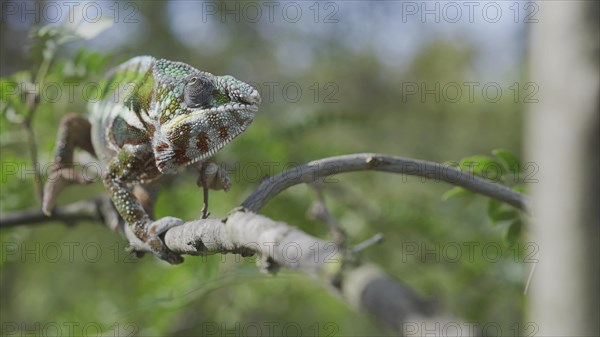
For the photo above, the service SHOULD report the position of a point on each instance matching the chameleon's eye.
(198, 92)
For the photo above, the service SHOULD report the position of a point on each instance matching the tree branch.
(365, 286)
(78, 211)
(278, 244)
(321, 168)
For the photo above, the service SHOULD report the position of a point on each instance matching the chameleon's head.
(198, 113)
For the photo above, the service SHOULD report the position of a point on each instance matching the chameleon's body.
(154, 117)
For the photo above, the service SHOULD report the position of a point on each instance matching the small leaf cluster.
(507, 170)
(20, 92)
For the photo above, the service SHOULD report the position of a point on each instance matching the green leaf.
(84, 64)
(8, 88)
(455, 191)
(493, 207)
(94, 62)
(44, 42)
(12, 95)
(498, 212)
(483, 166)
(451, 163)
(510, 161)
(520, 188)
(514, 231)
(504, 215)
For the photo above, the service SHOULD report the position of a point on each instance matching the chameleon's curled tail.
(74, 131)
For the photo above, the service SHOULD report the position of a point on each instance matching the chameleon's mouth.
(229, 114)
(216, 127)
(198, 135)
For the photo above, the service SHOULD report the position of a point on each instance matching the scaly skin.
(154, 117)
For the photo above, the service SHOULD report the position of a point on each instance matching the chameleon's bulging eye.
(198, 92)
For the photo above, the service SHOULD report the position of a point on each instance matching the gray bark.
(562, 139)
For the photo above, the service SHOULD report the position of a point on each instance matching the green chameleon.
(154, 117)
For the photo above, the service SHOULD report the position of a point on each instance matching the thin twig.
(321, 168)
(33, 100)
(375, 239)
(319, 211)
(32, 103)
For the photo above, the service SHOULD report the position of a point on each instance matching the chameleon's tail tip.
(47, 203)
(56, 183)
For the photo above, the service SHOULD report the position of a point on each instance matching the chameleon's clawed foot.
(154, 242)
(214, 177)
(204, 213)
(58, 179)
(136, 249)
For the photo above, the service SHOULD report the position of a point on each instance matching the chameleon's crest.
(198, 113)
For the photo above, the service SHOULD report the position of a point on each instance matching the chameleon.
(153, 117)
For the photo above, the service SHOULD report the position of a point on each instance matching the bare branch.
(321, 168)
(247, 233)
(375, 239)
(79, 211)
(319, 211)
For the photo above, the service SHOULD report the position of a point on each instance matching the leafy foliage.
(45, 42)
(505, 165)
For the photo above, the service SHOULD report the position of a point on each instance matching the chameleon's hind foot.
(58, 179)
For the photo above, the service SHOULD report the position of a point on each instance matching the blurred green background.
(335, 79)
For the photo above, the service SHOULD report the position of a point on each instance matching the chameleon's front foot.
(149, 239)
(214, 177)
